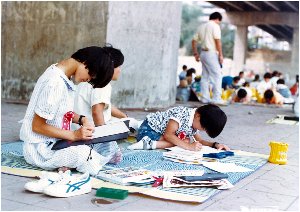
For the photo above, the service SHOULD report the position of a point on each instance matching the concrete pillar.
(240, 48)
(295, 52)
(37, 34)
(148, 34)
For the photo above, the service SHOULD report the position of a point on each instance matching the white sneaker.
(68, 186)
(46, 179)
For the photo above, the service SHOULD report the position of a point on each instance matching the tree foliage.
(190, 22)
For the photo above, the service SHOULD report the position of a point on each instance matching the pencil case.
(219, 155)
(112, 193)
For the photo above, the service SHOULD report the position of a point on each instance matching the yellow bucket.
(278, 153)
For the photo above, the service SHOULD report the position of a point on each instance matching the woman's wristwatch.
(79, 120)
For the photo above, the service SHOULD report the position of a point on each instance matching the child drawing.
(161, 130)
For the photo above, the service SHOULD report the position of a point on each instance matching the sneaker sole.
(71, 194)
(32, 190)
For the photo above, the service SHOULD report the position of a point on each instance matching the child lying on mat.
(161, 130)
(273, 97)
(243, 95)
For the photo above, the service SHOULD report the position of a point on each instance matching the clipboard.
(105, 133)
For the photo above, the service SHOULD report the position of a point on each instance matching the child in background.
(189, 75)
(161, 130)
(273, 97)
(52, 98)
(283, 89)
(265, 84)
(235, 83)
(275, 77)
(182, 77)
(243, 95)
(242, 79)
(94, 103)
(255, 82)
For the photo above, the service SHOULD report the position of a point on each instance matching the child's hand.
(83, 133)
(222, 147)
(196, 146)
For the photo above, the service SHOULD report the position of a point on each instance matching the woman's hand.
(83, 133)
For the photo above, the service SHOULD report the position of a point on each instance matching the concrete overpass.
(279, 18)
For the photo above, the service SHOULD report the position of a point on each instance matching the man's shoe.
(204, 101)
(68, 185)
(46, 179)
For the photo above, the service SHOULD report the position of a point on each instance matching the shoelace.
(90, 155)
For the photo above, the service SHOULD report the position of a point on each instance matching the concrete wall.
(38, 34)
(148, 34)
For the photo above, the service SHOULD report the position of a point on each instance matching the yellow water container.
(278, 153)
(253, 92)
(259, 97)
(211, 93)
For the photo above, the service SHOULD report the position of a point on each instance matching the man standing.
(209, 35)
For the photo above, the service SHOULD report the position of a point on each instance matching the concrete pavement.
(273, 187)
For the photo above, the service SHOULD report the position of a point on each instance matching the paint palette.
(124, 176)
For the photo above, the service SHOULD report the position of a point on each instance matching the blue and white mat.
(13, 162)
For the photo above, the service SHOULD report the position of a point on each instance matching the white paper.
(204, 150)
(110, 129)
(225, 167)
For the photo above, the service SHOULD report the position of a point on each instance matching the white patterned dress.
(52, 98)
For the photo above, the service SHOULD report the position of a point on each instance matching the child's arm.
(170, 136)
(247, 99)
(117, 113)
(40, 126)
(234, 98)
(207, 143)
(97, 113)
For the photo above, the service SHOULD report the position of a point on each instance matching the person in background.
(243, 95)
(283, 89)
(264, 84)
(189, 75)
(182, 78)
(242, 79)
(255, 82)
(273, 97)
(275, 77)
(209, 35)
(226, 82)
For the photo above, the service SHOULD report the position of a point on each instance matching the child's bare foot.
(63, 169)
(116, 158)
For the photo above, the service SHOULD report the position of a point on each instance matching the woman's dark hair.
(268, 94)
(242, 93)
(99, 62)
(212, 119)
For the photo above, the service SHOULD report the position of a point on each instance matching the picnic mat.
(280, 120)
(13, 162)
